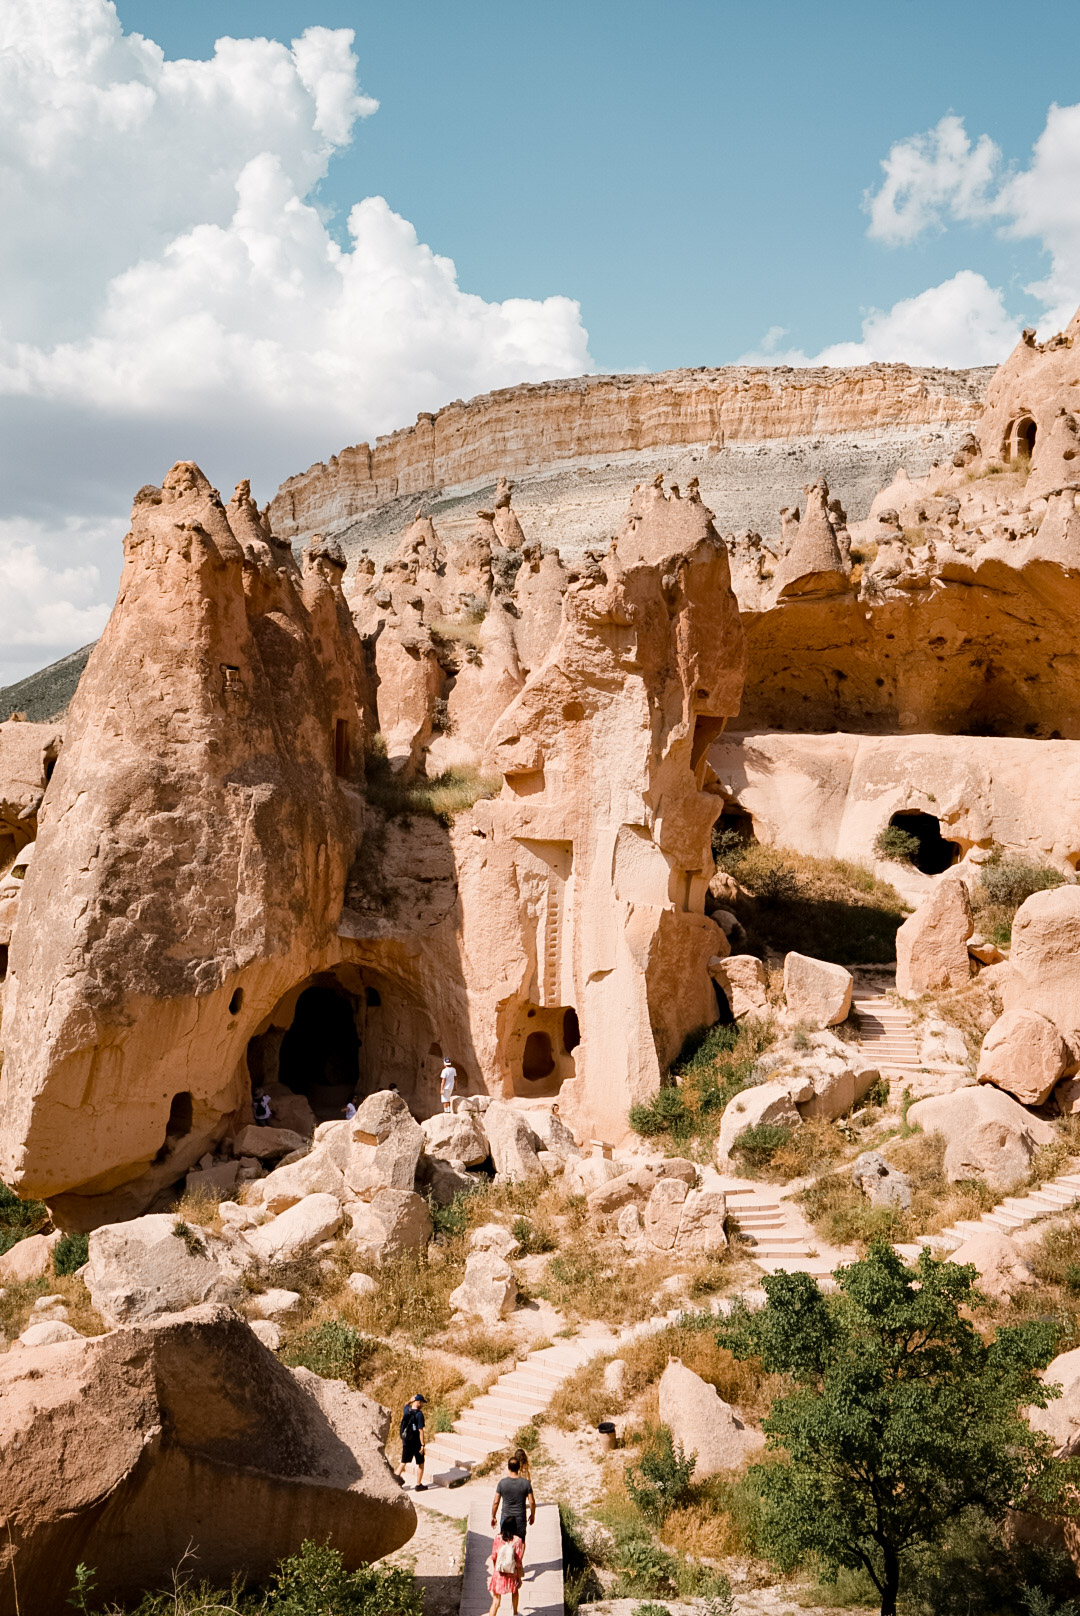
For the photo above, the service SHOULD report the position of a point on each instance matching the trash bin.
(606, 1430)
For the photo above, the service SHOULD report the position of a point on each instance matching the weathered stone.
(134, 1449)
(816, 990)
(837, 1086)
(393, 1221)
(1001, 1268)
(488, 1290)
(1060, 1419)
(766, 1103)
(663, 1213)
(317, 1173)
(639, 1183)
(443, 1180)
(880, 1182)
(267, 1143)
(1024, 1054)
(630, 1225)
(553, 1134)
(513, 1142)
(942, 1044)
(588, 1174)
(28, 1259)
(615, 1377)
(931, 945)
(385, 1146)
(988, 1134)
(1044, 962)
(271, 1335)
(742, 977)
(361, 1285)
(48, 1333)
(456, 1137)
(1067, 1097)
(494, 1237)
(701, 1223)
(269, 1304)
(297, 1230)
(151, 1265)
(701, 1422)
(216, 1180)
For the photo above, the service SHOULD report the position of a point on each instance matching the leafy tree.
(899, 1418)
(661, 1479)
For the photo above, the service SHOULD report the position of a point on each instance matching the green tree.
(899, 1416)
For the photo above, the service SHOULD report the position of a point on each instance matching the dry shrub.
(412, 1295)
(813, 1144)
(17, 1301)
(201, 1207)
(397, 1375)
(487, 1345)
(592, 1278)
(973, 1008)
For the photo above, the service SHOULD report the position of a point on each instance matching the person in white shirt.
(446, 1085)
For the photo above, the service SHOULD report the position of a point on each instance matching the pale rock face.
(880, 1182)
(630, 1224)
(218, 1179)
(931, 945)
(1024, 1054)
(742, 977)
(615, 1377)
(488, 1291)
(553, 1134)
(271, 1335)
(1067, 1097)
(49, 1333)
(582, 1177)
(493, 1237)
(393, 1221)
(663, 1213)
(267, 1143)
(701, 1422)
(942, 1044)
(1045, 962)
(28, 1259)
(1001, 1268)
(639, 1183)
(1060, 1420)
(269, 1304)
(361, 1285)
(112, 1422)
(297, 1230)
(455, 1137)
(766, 1103)
(385, 1146)
(142, 1268)
(512, 1141)
(815, 564)
(317, 1173)
(701, 1224)
(816, 990)
(988, 1134)
(837, 1086)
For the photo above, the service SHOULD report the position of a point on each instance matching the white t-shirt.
(449, 1078)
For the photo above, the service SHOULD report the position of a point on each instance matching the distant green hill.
(46, 694)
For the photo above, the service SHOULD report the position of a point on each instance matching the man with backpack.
(411, 1431)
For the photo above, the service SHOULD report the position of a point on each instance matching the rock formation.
(126, 1451)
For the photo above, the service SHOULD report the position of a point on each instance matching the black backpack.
(409, 1422)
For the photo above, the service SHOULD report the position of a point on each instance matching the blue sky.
(250, 232)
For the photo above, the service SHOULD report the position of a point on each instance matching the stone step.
(468, 1446)
(1069, 1181)
(477, 1421)
(1005, 1221)
(817, 1267)
(448, 1451)
(507, 1408)
(779, 1242)
(531, 1380)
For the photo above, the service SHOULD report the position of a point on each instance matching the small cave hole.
(1024, 438)
(3, 960)
(236, 1001)
(180, 1123)
(571, 1030)
(934, 853)
(373, 998)
(538, 1060)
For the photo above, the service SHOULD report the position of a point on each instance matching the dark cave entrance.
(731, 832)
(934, 853)
(320, 1052)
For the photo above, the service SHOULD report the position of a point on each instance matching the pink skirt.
(498, 1584)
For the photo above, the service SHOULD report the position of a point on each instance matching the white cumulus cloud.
(170, 289)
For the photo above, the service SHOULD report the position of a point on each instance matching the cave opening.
(1023, 439)
(934, 854)
(733, 831)
(320, 1052)
(538, 1060)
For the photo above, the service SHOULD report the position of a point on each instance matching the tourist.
(446, 1087)
(350, 1111)
(511, 1493)
(413, 1441)
(261, 1109)
(523, 1464)
(505, 1567)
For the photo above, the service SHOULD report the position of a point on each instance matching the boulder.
(513, 1143)
(663, 1213)
(554, 1166)
(150, 1265)
(385, 1142)
(1067, 1097)
(392, 1222)
(615, 1377)
(630, 1224)
(1024, 1054)
(271, 1335)
(584, 1176)
(987, 1133)
(1060, 1420)
(455, 1137)
(880, 1182)
(701, 1422)
(816, 990)
(28, 1259)
(182, 1436)
(553, 1134)
(442, 1180)
(837, 1086)
(47, 1333)
(268, 1304)
(361, 1285)
(494, 1237)
(742, 977)
(267, 1143)
(986, 953)
(1001, 1268)
(1044, 962)
(701, 1223)
(215, 1180)
(317, 1173)
(941, 1044)
(639, 1183)
(488, 1290)
(766, 1103)
(931, 945)
(296, 1231)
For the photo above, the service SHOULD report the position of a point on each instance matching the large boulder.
(767, 1103)
(701, 1422)
(385, 1142)
(639, 1183)
(663, 1213)
(1044, 962)
(267, 1143)
(182, 1436)
(931, 945)
(1060, 1420)
(488, 1290)
(1024, 1054)
(317, 1173)
(297, 1231)
(987, 1133)
(456, 1137)
(880, 1182)
(494, 1237)
(998, 1260)
(742, 977)
(153, 1264)
(513, 1142)
(553, 1134)
(701, 1224)
(590, 1172)
(837, 1085)
(392, 1222)
(816, 990)
(29, 1259)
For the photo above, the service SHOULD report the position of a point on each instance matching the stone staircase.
(886, 1035)
(779, 1236)
(1013, 1213)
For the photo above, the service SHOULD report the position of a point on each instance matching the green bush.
(647, 1608)
(645, 1568)
(661, 1478)
(713, 1066)
(758, 1145)
(315, 1583)
(1010, 881)
(334, 1350)
(666, 1112)
(533, 1238)
(19, 1218)
(70, 1252)
(581, 1585)
(896, 844)
(449, 1221)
